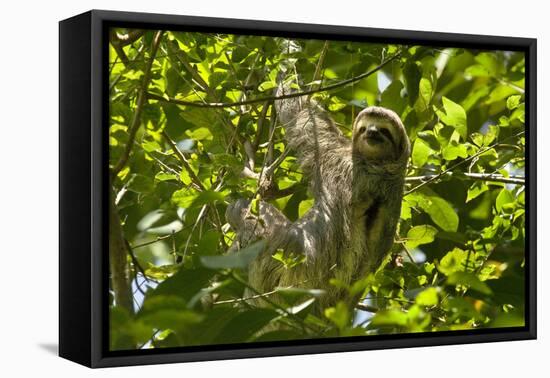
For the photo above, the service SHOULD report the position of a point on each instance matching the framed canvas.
(235, 188)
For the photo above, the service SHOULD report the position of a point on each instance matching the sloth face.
(378, 134)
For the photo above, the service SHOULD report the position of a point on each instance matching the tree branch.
(121, 54)
(118, 264)
(196, 181)
(318, 69)
(156, 240)
(274, 304)
(252, 297)
(118, 41)
(141, 100)
(211, 93)
(367, 308)
(327, 88)
(261, 120)
(451, 168)
(125, 39)
(518, 180)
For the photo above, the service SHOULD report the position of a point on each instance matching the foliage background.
(458, 260)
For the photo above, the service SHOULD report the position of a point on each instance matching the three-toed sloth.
(357, 187)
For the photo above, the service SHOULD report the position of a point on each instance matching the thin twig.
(211, 93)
(118, 41)
(274, 304)
(135, 261)
(366, 307)
(121, 54)
(252, 297)
(318, 69)
(125, 39)
(518, 180)
(446, 171)
(409, 254)
(118, 264)
(194, 178)
(327, 88)
(141, 100)
(145, 244)
(261, 120)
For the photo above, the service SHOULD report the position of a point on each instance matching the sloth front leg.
(269, 224)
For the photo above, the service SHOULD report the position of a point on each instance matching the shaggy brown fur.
(357, 186)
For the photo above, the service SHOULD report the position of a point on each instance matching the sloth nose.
(373, 132)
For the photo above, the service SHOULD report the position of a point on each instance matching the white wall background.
(28, 186)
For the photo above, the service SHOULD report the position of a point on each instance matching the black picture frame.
(83, 196)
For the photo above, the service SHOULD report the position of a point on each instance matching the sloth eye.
(387, 134)
(362, 129)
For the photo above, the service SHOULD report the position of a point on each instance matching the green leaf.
(151, 146)
(453, 261)
(216, 78)
(300, 307)
(226, 160)
(304, 207)
(163, 176)
(429, 137)
(499, 93)
(186, 199)
(290, 293)
(150, 219)
(167, 312)
(405, 211)
(198, 117)
(141, 184)
(476, 190)
(454, 150)
(412, 74)
(239, 259)
(487, 138)
(519, 113)
(200, 134)
(267, 85)
(185, 284)
(185, 177)
(279, 335)
(511, 319)
(463, 307)
(504, 198)
(442, 213)
(425, 94)
(476, 70)
(490, 62)
(418, 235)
(389, 317)
(469, 280)
(125, 331)
(428, 297)
(239, 54)
(160, 272)
(391, 97)
(454, 115)
(208, 243)
(421, 152)
(245, 324)
(339, 315)
(513, 101)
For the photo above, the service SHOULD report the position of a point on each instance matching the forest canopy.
(192, 128)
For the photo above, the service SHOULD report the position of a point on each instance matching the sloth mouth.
(375, 137)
